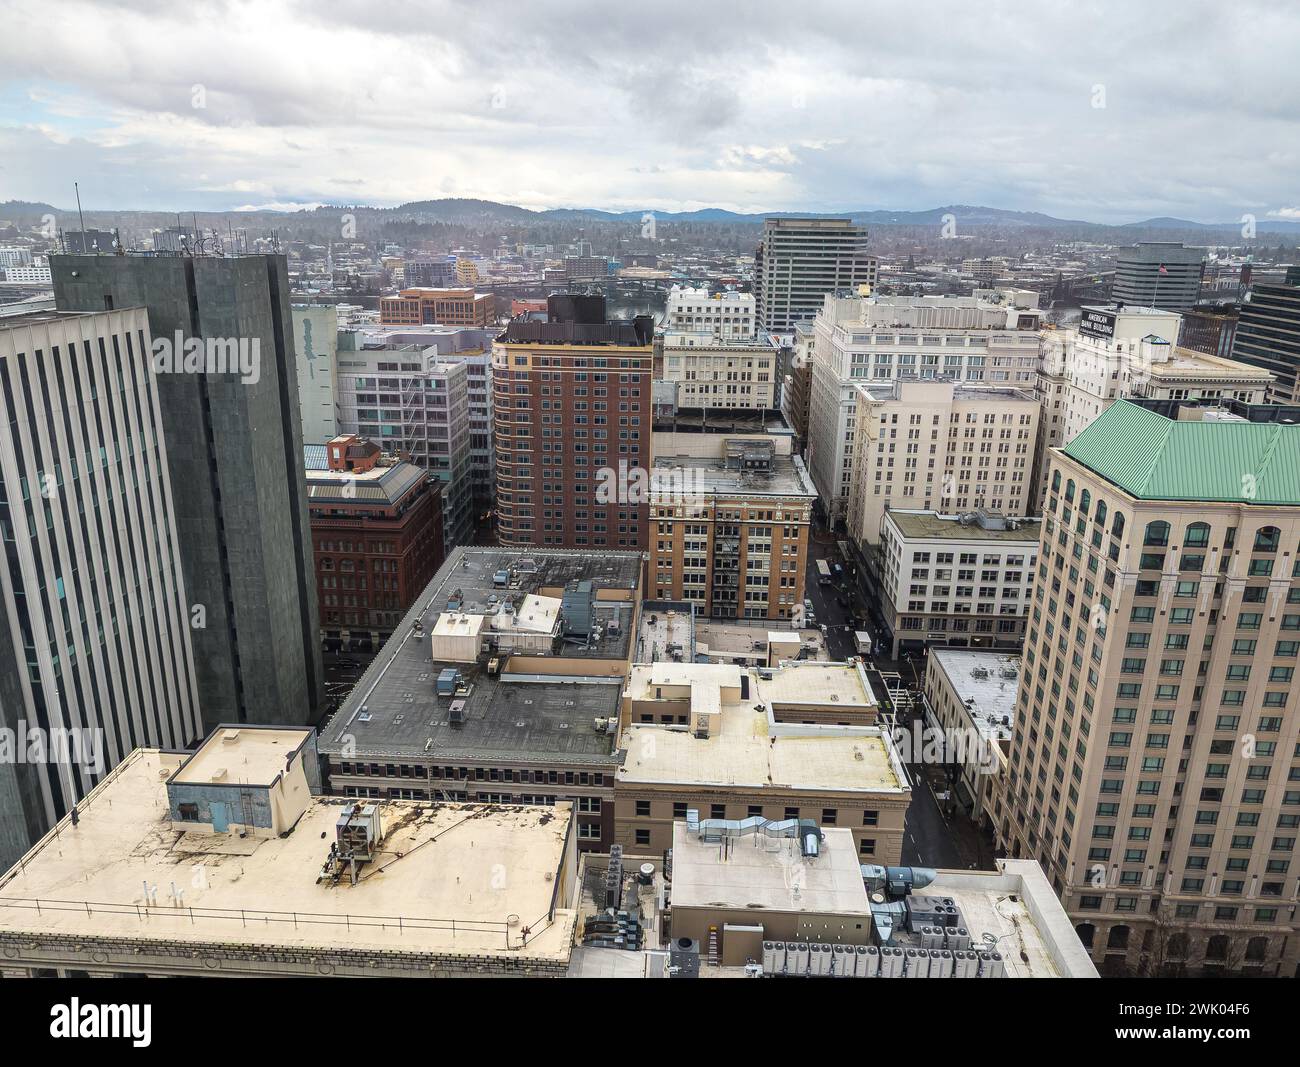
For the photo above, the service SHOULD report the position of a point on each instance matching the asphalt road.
(930, 838)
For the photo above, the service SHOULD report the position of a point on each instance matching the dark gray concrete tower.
(228, 393)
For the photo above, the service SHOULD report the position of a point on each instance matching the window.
(643, 808)
(828, 816)
(1157, 533)
(189, 812)
(643, 837)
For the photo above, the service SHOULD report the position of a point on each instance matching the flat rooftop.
(665, 623)
(927, 525)
(691, 475)
(746, 747)
(439, 864)
(1013, 908)
(719, 640)
(987, 678)
(249, 755)
(770, 874)
(394, 711)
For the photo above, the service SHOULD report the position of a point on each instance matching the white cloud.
(828, 106)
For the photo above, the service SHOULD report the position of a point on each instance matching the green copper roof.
(1155, 458)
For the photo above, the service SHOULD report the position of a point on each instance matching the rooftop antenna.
(77, 189)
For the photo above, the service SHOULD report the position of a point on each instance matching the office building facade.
(234, 441)
(95, 654)
(1158, 274)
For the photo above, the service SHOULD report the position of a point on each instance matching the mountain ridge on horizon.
(466, 209)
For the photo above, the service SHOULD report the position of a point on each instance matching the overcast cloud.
(758, 106)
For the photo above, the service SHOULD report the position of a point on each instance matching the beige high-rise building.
(988, 339)
(1154, 771)
(938, 446)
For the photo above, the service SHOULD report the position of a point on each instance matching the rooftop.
(746, 745)
(438, 865)
(769, 874)
(1012, 909)
(930, 525)
(253, 756)
(989, 680)
(696, 476)
(533, 709)
(379, 485)
(1152, 457)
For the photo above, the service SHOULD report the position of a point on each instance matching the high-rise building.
(1268, 335)
(228, 396)
(431, 272)
(1154, 770)
(710, 372)
(1209, 330)
(572, 410)
(990, 338)
(800, 261)
(1159, 274)
(376, 525)
(961, 581)
(95, 654)
(315, 336)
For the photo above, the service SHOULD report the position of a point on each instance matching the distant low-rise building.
(418, 306)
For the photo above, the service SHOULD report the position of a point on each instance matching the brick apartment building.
(572, 421)
(376, 530)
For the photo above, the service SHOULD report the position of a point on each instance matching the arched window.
(1118, 937)
(1086, 932)
(1197, 535)
(1157, 533)
(1267, 539)
(1056, 481)
(1100, 518)
(1257, 949)
(1216, 948)
(1085, 501)
(1069, 490)
(1117, 527)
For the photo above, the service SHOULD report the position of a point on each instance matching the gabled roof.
(1156, 458)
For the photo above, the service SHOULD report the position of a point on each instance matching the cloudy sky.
(1104, 111)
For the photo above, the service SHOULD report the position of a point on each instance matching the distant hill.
(473, 213)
